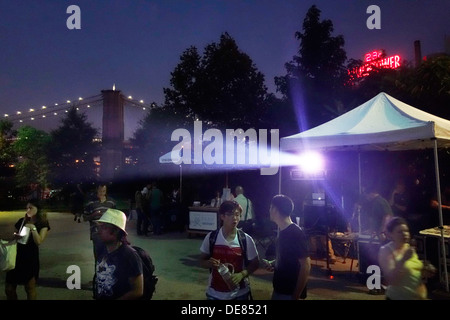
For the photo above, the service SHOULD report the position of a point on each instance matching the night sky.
(135, 44)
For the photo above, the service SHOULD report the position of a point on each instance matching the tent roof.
(167, 158)
(382, 123)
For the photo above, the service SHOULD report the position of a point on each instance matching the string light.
(45, 111)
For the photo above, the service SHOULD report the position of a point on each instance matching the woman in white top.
(404, 272)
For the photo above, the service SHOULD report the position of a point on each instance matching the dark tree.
(222, 87)
(431, 85)
(32, 165)
(152, 138)
(7, 134)
(316, 76)
(73, 149)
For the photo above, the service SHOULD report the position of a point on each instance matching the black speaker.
(368, 254)
(315, 218)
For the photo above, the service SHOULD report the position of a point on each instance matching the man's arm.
(302, 278)
(435, 204)
(137, 288)
(253, 265)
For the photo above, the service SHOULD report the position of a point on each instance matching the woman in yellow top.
(404, 272)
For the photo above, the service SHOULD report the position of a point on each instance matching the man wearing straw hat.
(119, 268)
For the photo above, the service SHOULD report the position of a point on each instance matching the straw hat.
(115, 217)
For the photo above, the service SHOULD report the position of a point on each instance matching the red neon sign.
(375, 59)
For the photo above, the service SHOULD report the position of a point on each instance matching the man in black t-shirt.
(119, 272)
(292, 264)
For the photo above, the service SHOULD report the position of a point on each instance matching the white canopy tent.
(383, 123)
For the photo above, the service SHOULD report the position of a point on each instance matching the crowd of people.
(229, 253)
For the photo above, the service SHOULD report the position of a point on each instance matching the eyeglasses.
(236, 214)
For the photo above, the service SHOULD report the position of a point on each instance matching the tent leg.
(181, 183)
(279, 180)
(441, 222)
(360, 190)
(359, 173)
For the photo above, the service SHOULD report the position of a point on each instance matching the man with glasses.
(231, 247)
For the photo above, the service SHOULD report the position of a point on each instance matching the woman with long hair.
(32, 230)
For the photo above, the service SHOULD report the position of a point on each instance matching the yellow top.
(410, 285)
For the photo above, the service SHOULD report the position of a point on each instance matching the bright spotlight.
(311, 162)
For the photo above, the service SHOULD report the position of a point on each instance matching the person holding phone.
(404, 272)
(31, 232)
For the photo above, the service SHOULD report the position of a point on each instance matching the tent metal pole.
(441, 222)
(181, 183)
(360, 190)
(359, 172)
(279, 180)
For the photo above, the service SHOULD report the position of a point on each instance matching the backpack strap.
(242, 243)
(212, 241)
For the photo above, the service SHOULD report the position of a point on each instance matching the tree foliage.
(73, 149)
(7, 133)
(316, 76)
(221, 87)
(32, 165)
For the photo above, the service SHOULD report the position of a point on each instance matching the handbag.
(8, 252)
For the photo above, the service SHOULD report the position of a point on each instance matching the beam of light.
(298, 100)
(311, 162)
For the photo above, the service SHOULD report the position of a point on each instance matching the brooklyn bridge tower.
(111, 156)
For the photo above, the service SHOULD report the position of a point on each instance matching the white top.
(242, 200)
(224, 248)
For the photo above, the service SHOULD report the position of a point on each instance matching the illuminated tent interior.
(383, 123)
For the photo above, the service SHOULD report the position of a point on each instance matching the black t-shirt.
(114, 270)
(373, 214)
(292, 245)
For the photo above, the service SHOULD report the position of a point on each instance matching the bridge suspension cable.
(46, 111)
(54, 110)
